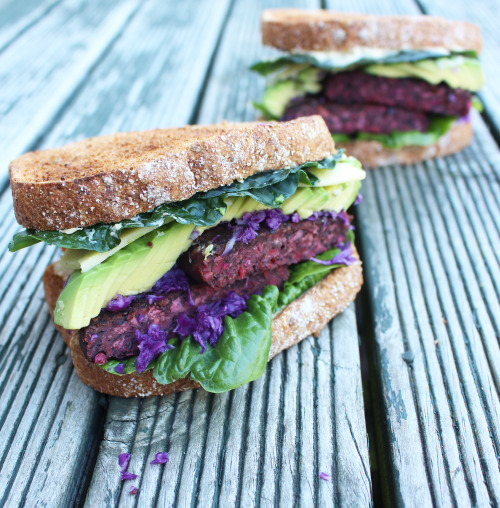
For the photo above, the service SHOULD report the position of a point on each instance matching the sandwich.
(193, 255)
(392, 89)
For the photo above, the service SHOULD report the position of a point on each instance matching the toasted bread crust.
(373, 154)
(321, 30)
(110, 178)
(305, 316)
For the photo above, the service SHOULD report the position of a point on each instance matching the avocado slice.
(342, 196)
(310, 79)
(456, 71)
(277, 96)
(132, 270)
(346, 170)
(84, 260)
(240, 206)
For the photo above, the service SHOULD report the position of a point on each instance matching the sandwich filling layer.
(192, 288)
(399, 99)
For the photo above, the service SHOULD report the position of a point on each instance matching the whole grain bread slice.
(373, 154)
(305, 316)
(110, 178)
(321, 30)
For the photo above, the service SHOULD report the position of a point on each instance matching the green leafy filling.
(243, 349)
(206, 209)
(438, 126)
(267, 67)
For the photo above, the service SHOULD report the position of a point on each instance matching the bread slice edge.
(307, 315)
(373, 154)
(110, 178)
(322, 30)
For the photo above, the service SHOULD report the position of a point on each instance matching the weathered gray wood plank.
(431, 285)
(254, 445)
(44, 409)
(40, 72)
(17, 17)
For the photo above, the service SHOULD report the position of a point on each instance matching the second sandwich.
(392, 89)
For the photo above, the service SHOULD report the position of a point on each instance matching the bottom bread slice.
(372, 153)
(305, 316)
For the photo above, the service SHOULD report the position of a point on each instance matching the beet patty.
(289, 244)
(407, 93)
(113, 334)
(350, 119)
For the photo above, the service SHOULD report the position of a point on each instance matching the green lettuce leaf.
(438, 126)
(305, 275)
(204, 209)
(243, 349)
(264, 68)
(240, 356)
(477, 104)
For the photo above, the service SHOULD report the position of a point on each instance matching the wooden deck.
(412, 417)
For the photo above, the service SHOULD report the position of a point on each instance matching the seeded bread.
(305, 316)
(114, 177)
(373, 154)
(320, 30)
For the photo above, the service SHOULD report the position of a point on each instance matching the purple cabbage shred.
(205, 325)
(174, 280)
(151, 345)
(123, 460)
(160, 458)
(133, 490)
(358, 199)
(325, 476)
(128, 476)
(344, 257)
(246, 228)
(120, 302)
(119, 368)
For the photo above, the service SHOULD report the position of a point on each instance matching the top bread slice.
(320, 30)
(110, 178)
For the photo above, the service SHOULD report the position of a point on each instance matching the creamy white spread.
(69, 231)
(346, 58)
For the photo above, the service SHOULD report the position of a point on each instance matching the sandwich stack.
(392, 89)
(191, 255)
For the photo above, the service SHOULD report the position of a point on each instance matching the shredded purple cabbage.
(123, 460)
(160, 458)
(151, 345)
(133, 490)
(358, 199)
(205, 325)
(120, 302)
(128, 476)
(344, 257)
(119, 368)
(325, 476)
(246, 228)
(194, 234)
(174, 280)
